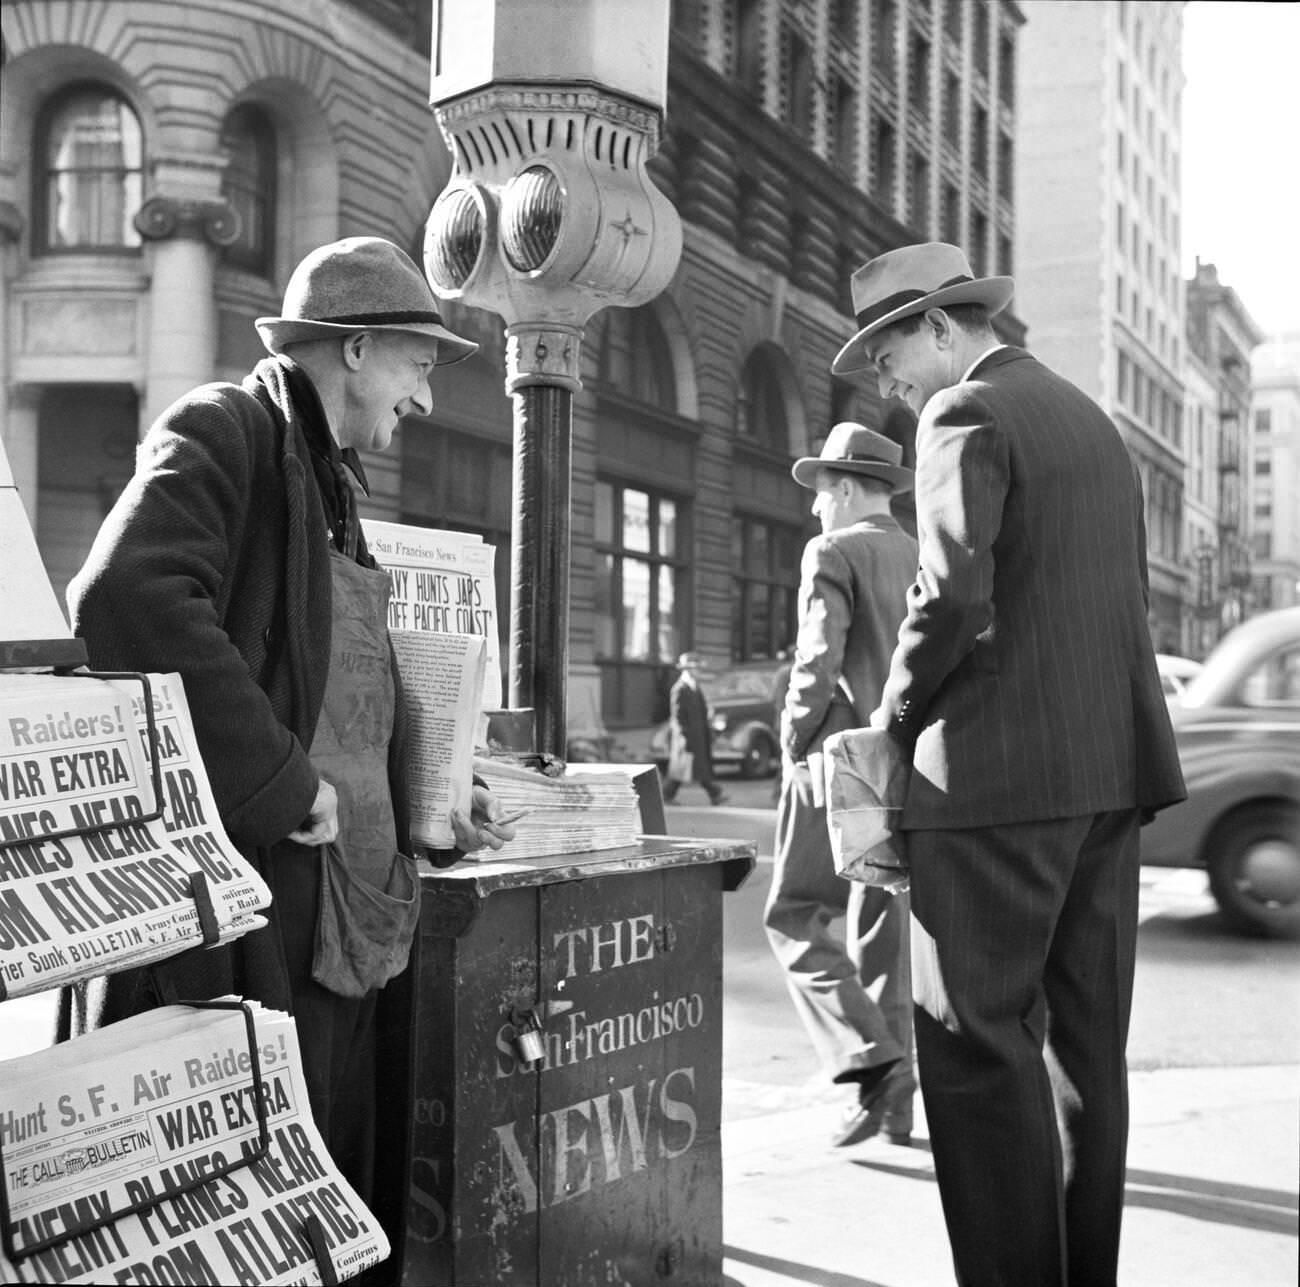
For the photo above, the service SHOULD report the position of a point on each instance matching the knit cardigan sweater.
(215, 563)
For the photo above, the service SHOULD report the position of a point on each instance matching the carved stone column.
(185, 234)
(17, 409)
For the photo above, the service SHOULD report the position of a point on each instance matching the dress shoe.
(884, 1102)
(719, 797)
(897, 1133)
(863, 1118)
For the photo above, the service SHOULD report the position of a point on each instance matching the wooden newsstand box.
(601, 1163)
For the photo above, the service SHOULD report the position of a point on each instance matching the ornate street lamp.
(551, 113)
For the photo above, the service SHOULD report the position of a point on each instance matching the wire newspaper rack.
(199, 888)
(251, 1151)
(254, 1153)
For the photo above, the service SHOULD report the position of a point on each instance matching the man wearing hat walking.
(235, 557)
(855, 1002)
(690, 740)
(1023, 688)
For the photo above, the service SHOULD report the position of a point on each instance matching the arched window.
(634, 358)
(90, 150)
(760, 405)
(249, 185)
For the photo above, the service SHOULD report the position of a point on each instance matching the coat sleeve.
(962, 478)
(148, 599)
(825, 613)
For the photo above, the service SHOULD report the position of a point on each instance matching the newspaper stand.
(599, 1161)
(36, 639)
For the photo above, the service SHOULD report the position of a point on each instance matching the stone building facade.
(1275, 472)
(1220, 338)
(1099, 241)
(163, 167)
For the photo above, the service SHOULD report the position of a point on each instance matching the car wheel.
(1253, 859)
(759, 760)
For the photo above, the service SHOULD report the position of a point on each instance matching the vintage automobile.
(742, 715)
(1238, 729)
(1175, 672)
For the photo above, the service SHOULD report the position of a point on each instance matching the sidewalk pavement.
(797, 1211)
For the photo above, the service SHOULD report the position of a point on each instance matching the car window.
(741, 683)
(1276, 683)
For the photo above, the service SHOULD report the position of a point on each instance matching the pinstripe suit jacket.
(1024, 672)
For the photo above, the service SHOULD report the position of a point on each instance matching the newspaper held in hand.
(442, 682)
(131, 1156)
(866, 784)
(123, 892)
(443, 582)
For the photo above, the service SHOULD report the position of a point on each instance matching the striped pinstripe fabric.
(1024, 668)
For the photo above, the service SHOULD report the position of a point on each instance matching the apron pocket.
(363, 933)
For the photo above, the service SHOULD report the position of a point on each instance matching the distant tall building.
(1098, 240)
(1220, 337)
(1275, 472)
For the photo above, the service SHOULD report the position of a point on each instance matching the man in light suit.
(1024, 689)
(854, 1003)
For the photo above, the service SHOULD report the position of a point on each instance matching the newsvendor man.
(235, 556)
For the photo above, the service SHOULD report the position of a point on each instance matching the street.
(1215, 1068)
(1214, 1056)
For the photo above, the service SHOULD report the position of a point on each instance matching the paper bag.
(866, 783)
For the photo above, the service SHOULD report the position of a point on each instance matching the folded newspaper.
(866, 784)
(442, 682)
(175, 1147)
(443, 582)
(574, 814)
(120, 889)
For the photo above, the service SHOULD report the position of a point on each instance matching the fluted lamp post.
(551, 112)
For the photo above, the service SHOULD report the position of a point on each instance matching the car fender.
(742, 734)
(1178, 835)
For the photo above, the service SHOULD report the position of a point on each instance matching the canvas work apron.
(369, 893)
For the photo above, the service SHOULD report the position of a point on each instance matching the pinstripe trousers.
(1023, 947)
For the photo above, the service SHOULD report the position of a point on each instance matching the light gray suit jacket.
(852, 596)
(1024, 671)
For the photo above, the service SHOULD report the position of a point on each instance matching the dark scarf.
(290, 388)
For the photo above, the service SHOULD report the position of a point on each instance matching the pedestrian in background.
(235, 556)
(1024, 691)
(690, 739)
(853, 998)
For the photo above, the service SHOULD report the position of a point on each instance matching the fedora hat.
(854, 449)
(903, 282)
(359, 284)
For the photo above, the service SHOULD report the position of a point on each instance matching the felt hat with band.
(854, 449)
(359, 284)
(903, 282)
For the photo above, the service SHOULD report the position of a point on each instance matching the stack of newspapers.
(573, 814)
(175, 1147)
(111, 850)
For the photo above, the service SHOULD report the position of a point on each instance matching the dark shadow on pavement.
(1214, 1201)
(1171, 936)
(790, 1269)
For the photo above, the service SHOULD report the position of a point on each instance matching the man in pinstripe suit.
(1024, 689)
